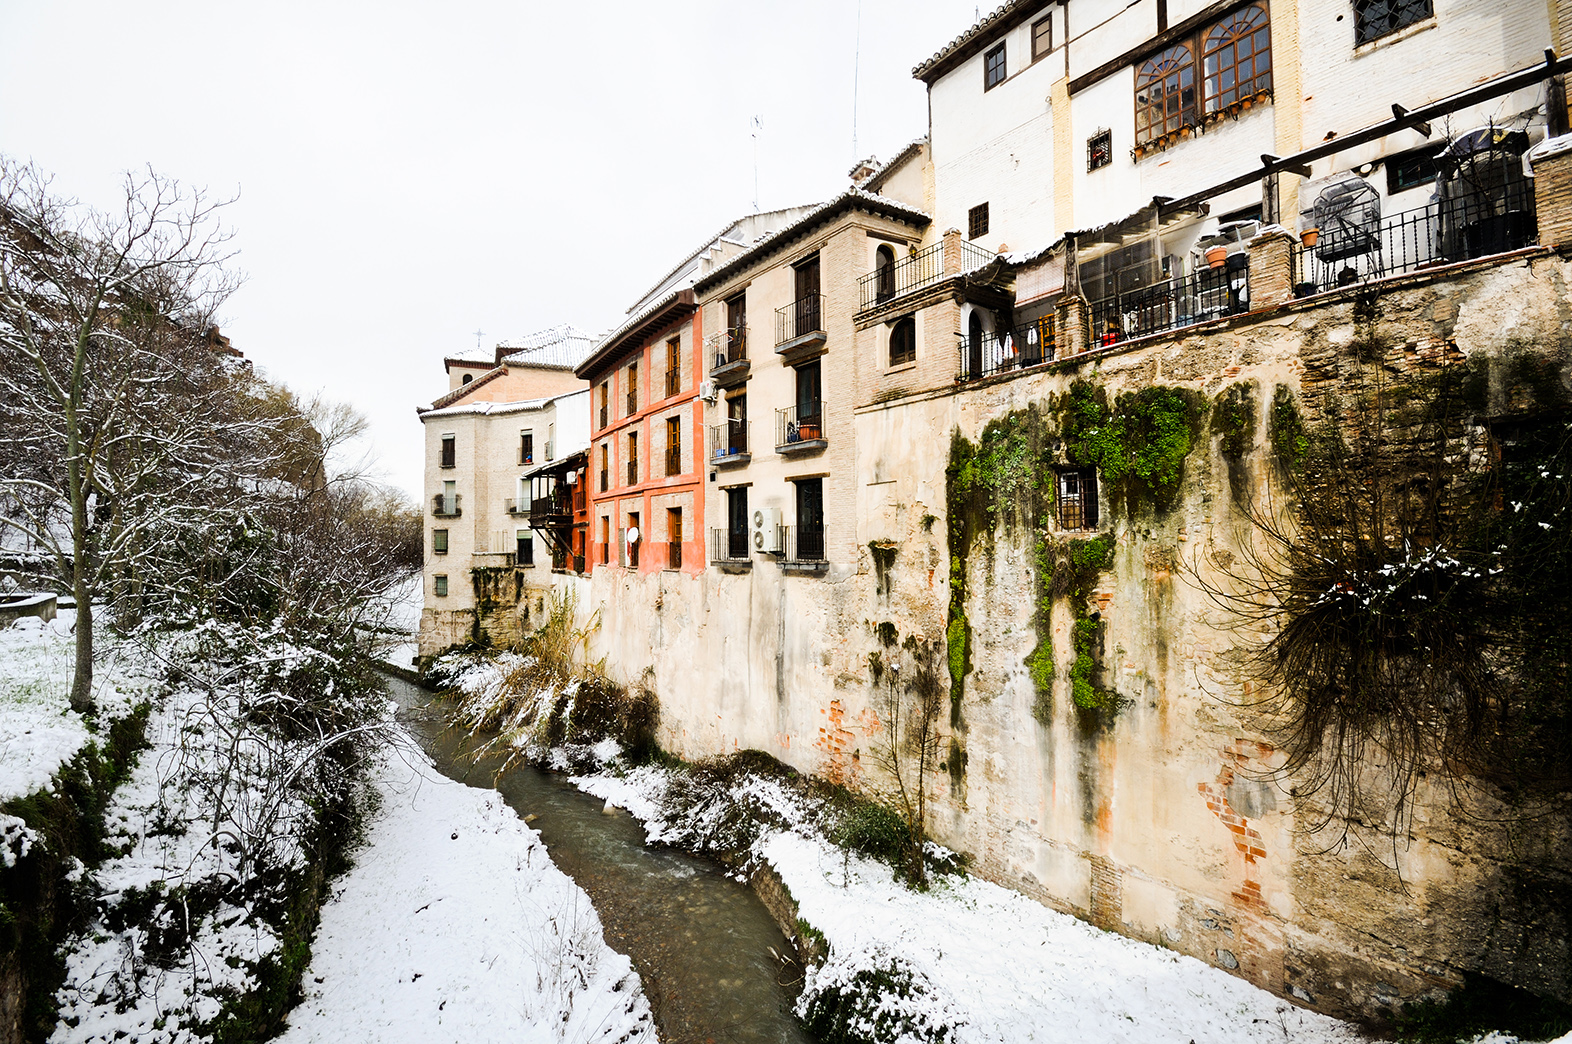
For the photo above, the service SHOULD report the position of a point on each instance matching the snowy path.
(454, 925)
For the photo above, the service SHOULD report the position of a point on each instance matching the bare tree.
(116, 399)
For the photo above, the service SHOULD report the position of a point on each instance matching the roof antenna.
(758, 123)
(856, 69)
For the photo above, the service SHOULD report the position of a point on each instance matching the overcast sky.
(410, 173)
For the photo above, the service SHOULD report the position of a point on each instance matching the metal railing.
(444, 506)
(551, 452)
(526, 456)
(803, 543)
(729, 346)
(605, 480)
(1436, 234)
(673, 382)
(917, 271)
(801, 423)
(728, 439)
(633, 472)
(728, 545)
(1172, 303)
(517, 507)
(605, 415)
(673, 460)
(578, 563)
(800, 318)
(546, 512)
(633, 401)
(1007, 350)
(673, 554)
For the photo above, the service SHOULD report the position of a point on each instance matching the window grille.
(1374, 19)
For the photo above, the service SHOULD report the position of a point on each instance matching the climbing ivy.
(1138, 443)
(1286, 431)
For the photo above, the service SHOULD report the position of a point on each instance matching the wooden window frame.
(977, 221)
(1192, 88)
(908, 351)
(439, 541)
(1224, 39)
(994, 72)
(1042, 32)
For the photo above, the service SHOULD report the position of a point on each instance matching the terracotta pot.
(1217, 256)
(1310, 236)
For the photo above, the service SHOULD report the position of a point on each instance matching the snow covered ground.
(455, 925)
(38, 729)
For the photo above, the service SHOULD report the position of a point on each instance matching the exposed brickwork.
(1553, 198)
(1107, 903)
(1271, 269)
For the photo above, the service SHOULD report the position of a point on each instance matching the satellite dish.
(633, 535)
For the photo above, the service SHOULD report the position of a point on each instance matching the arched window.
(1164, 94)
(903, 342)
(467, 378)
(884, 288)
(1237, 58)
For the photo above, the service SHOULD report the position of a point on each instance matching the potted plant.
(1310, 236)
(1217, 256)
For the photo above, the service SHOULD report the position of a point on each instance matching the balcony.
(554, 511)
(729, 444)
(799, 328)
(729, 351)
(729, 549)
(673, 460)
(1459, 229)
(1008, 350)
(517, 507)
(673, 382)
(444, 506)
(1170, 304)
(922, 269)
(551, 451)
(803, 549)
(800, 428)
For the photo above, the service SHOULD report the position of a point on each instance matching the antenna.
(758, 124)
(856, 70)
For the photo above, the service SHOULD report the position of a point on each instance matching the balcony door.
(810, 519)
(807, 309)
(737, 522)
(809, 408)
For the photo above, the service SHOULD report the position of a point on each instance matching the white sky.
(409, 173)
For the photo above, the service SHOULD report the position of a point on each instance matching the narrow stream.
(700, 940)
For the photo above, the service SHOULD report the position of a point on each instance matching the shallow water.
(700, 940)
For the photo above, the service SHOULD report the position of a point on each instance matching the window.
(466, 378)
(635, 538)
(605, 467)
(439, 585)
(736, 329)
(1077, 490)
(633, 388)
(884, 268)
(1099, 150)
(674, 538)
(993, 68)
(737, 522)
(810, 522)
(1236, 63)
(526, 548)
(1042, 37)
(903, 342)
(449, 498)
(805, 312)
(673, 366)
(526, 447)
(605, 539)
(673, 445)
(449, 451)
(439, 541)
(1411, 169)
(1236, 58)
(977, 221)
(1374, 19)
(633, 458)
(605, 390)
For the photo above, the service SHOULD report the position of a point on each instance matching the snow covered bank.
(455, 925)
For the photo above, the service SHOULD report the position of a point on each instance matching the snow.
(38, 730)
(454, 924)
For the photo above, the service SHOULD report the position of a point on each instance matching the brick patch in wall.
(1107, 893)
(1247, 839)
(838, 744)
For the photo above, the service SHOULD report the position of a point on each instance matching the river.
(701, 941)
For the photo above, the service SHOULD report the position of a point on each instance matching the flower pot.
(1310, 236)
(1217, 256)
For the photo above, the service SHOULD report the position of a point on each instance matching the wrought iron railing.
(729, 438)
(800, 318)
(578, 563)
(674, 554)
(551, 451)
(633, 401)
(517, 507)
(917, 271)
(605, 415)
(1172, 303)
(633, 472)
(444, 506)
(729, 346)
(526, 456)
(549, 511)
(803, 543)
(1017, 349)
(728, 545)
(1435, 234)
(803, 422)
(673, 460)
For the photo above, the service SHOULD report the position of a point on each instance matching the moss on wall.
(1138, 443)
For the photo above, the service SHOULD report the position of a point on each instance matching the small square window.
(1411, 169)
(1077, 498)
(1042, 37)
(439, 541)
(1374, 19)
(449, 451)
(1099, 150)
(977, 221)
(439, 585)
(993, 68)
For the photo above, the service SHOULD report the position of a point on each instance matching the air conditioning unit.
(767, 531)
(709, 391)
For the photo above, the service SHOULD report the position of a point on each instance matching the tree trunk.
(82, 681)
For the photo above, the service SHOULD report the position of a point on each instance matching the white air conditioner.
(767, 531)
(709, 391)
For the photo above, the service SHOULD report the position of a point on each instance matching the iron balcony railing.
(917, 271)
(803, 543)
(673, 382)
(546, 512)
(728, 545)
(674, 554)
(1007, 350)
(605, 480)
(517, 507)
(1435, 234)
(673, 460)
(444, 506)
(802, 317)
(578, 563)
(633, 401)
(627, 554)
(803, 422)
(1172, 303)
(633, 472)
(729, 346)
(728, 439)
(605, 415)
(526, 456)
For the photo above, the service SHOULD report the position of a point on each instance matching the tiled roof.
(973, 39)
(486, 408)
(876, 179)
(560, 347)
(464, 389)
(854, 198)
(682, 300)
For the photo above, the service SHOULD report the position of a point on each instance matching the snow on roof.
(476, 356)
(562, 347)
(972, 39)
(708, 244)
(766, 244)
(493, 408)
